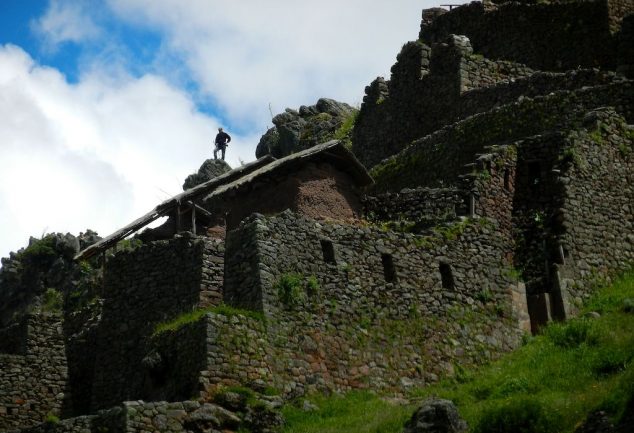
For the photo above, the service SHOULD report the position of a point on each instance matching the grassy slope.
(555, 380)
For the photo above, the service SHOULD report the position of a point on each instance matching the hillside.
(550, 384)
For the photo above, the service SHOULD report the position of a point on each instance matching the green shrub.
(522, 415)
(129, 244)
(570, 334)
(344, 133)
(40, 252)
(312, 286)
(51, 419)
(610, 360)
(289, 289)
(622, 397)
(514, 385)
(52, 301)
(294, 288)
(484, 295)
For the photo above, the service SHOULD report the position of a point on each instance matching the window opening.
(446, 276)
(534, 173)
(507, 179)
(328, 250)
(388, 268)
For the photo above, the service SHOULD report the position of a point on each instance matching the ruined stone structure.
(500, 190)
(33, 371)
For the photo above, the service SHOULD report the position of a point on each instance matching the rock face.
(436, 416)
(208, 170)
(298, 130)
(46, 264)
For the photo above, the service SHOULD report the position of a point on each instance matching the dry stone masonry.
(501, 159)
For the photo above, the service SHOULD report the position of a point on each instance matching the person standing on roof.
(222, 141)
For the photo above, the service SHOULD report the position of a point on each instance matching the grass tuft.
(195, 315)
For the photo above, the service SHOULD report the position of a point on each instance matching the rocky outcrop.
(45, 269)
(208, 170)
(298, 130)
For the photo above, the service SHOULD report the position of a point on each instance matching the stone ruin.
(500, 190)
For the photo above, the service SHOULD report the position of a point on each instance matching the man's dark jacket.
(222, 139)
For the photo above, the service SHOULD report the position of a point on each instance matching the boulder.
(301, 129)
(210, 416)
(210, 169)
(436, 416)
(597, 422)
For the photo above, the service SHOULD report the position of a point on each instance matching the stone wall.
(33, 384)
(545, 36)
(455, 146)
(174, 363)
(555, 193)
(140, 417)
(152, 284)
(422, 95)
(350, 306)
(238, 352)
(422, 207)
(114, 420)
(434, 87)
(490, 187)
(81, 330)
(242, 272)
(597, 214)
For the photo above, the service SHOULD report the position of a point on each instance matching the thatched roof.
(332, 152)
(192, 195)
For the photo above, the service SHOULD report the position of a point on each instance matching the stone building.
(500, 189)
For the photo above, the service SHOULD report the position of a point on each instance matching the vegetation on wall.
(550, 384)
(344, 133)
(294, 288)
(195, 315)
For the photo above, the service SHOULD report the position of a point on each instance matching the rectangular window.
(328, 250)
(446, 276)
(507, 179)
(388, 268)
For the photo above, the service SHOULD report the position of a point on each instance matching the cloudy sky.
(107, 105)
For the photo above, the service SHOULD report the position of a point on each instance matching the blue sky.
(107, 105)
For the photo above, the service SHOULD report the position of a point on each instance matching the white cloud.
(246, 54)
(92, 155)
(100, 152)
(66, 21)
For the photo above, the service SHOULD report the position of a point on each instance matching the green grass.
(358, 412)
(550, 384)
(195, 315)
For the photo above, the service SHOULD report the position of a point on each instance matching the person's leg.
(216, 153)
(223, 152)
